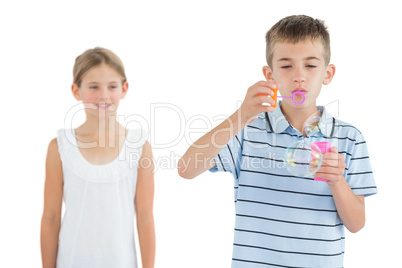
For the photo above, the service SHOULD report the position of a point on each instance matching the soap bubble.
(311, 126)
(298, 157)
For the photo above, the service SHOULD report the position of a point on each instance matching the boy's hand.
(332, 168)
(257, 94)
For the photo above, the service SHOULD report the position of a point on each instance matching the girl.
(104, 173)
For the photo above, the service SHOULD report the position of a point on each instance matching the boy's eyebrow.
(308, 58)
(284, 59)
(312, 58)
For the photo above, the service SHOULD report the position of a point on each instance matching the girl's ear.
(329, 74)
(125, 89)
(267, 71)
(76, 92)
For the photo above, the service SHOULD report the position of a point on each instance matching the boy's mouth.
(299, 93)
(300, 89)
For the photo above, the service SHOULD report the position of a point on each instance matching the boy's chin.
(302, 106)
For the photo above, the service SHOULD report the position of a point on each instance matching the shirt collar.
(327, 122)
(277, 122)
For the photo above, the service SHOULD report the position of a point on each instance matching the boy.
(284, 220)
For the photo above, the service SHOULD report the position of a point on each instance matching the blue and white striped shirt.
(284, 220)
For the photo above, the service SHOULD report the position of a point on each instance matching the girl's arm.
(51, 217)
(144, 207)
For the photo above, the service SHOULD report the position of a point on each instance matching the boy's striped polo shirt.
(284, 220)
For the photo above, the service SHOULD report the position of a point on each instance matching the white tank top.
(98, 224)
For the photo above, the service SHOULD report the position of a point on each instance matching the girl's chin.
(101, 114)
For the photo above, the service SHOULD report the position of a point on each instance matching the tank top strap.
(70, 155)
(66, 142)
(135, 141)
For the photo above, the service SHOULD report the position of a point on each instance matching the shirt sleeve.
(229, 158)
(359, 174)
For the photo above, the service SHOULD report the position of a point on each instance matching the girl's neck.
(298, 117)
(100, 127)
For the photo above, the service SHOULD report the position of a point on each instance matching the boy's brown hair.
(298, 28)
(95, 57)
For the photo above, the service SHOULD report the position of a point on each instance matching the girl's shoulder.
(136, 138)
(53, 148)
(53, 143)
(53, 160)
(65, 137)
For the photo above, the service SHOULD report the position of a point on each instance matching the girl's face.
(100, 91)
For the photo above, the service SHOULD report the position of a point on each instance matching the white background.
(199, 57)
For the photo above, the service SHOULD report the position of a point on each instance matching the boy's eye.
(311, 66)
(93, 87)
(286, 67)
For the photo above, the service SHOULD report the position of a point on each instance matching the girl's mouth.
(103, 105)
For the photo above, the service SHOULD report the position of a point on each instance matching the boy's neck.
(298, 117)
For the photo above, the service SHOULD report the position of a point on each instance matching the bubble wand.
(275, 96)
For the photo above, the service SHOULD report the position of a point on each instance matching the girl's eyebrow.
(110, 82)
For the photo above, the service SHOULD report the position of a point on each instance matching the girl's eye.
(93, 87)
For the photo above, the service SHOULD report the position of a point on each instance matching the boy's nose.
(299, 75)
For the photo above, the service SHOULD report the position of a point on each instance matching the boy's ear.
(76, 92)
(329, 74)
(125, 89)
(267, 71)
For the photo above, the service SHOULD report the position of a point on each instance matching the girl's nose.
(103, 92)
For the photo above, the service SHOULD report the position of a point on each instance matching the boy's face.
(299, 67)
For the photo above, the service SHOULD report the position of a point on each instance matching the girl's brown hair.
(95, 57)
(298, 28)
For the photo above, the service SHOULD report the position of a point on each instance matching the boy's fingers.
(264, 87)
(327, 176)
(329, 163)
(333, 155)
(265, 99)
(329, 170)
(268, 109)
(263, 91)
(267, 84)
(332, 159)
